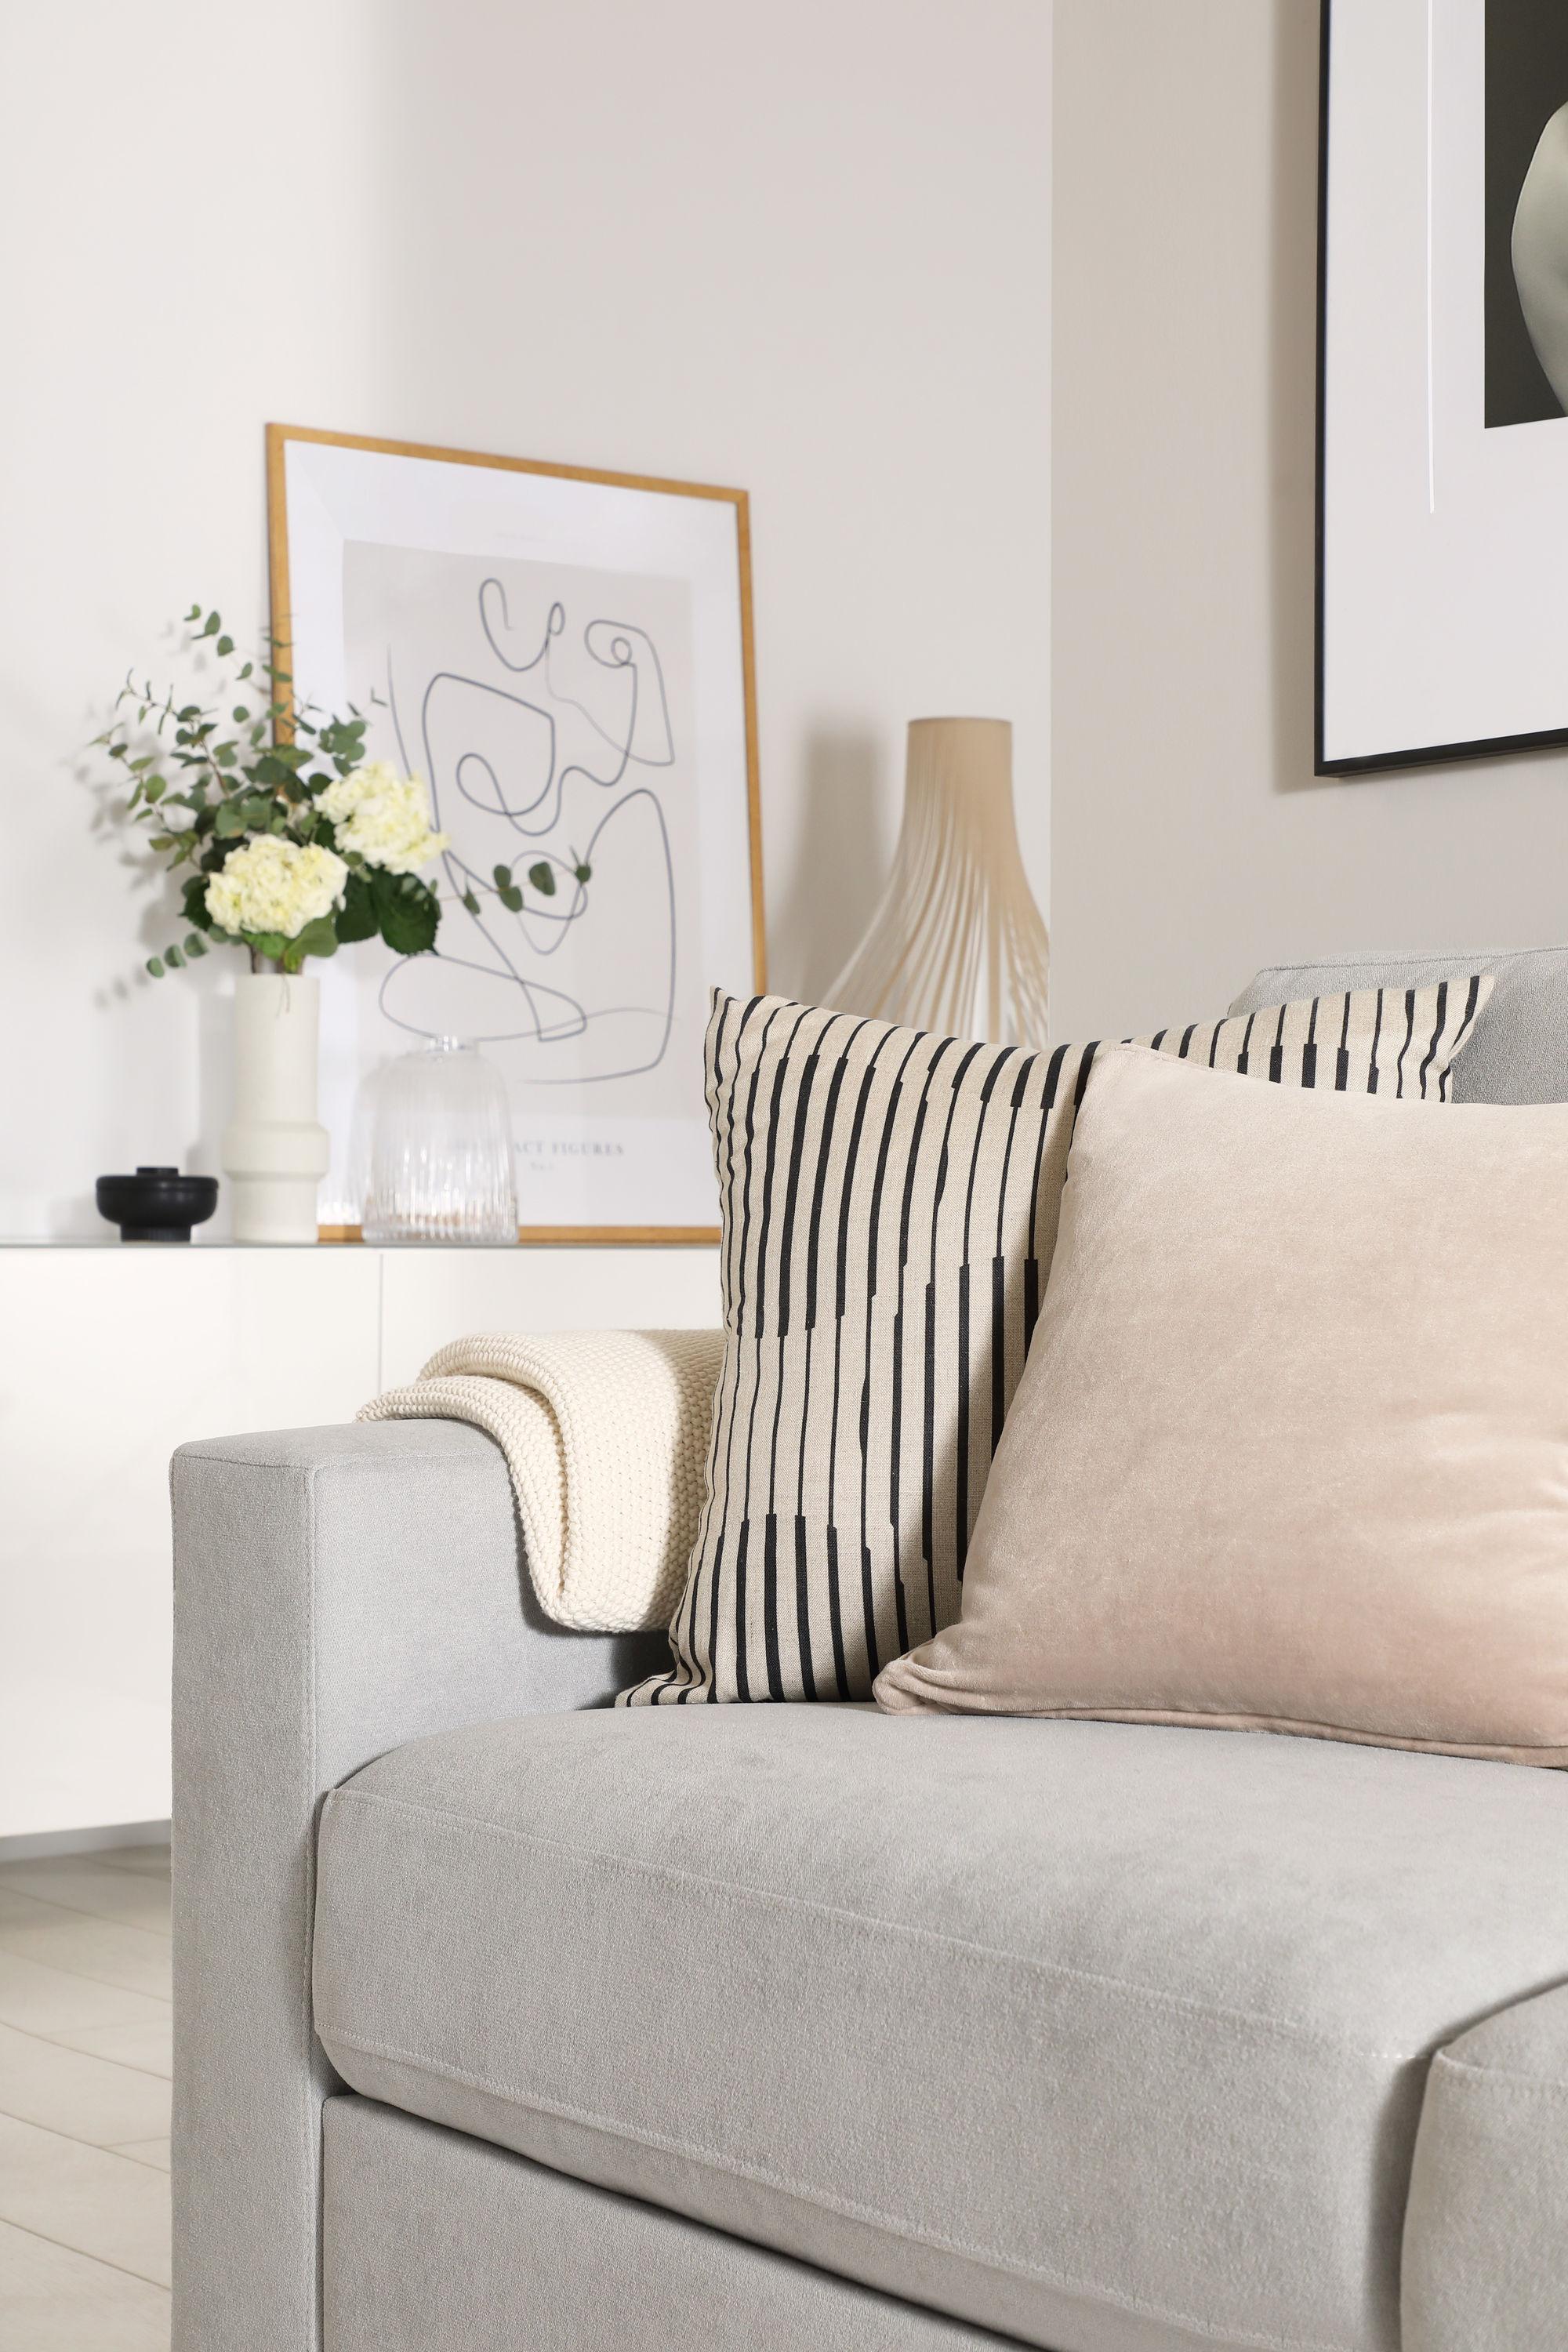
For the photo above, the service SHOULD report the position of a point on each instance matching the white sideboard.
(114, 1356)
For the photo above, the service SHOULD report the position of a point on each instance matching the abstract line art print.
(545, 722)
(544, 672)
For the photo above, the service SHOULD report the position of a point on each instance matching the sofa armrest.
(337, 1592)
(1487, 2222)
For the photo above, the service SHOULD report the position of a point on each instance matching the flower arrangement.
(299, 845)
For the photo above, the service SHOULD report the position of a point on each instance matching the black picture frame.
(1425, 755)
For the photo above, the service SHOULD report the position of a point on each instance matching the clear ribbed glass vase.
(440, 1154)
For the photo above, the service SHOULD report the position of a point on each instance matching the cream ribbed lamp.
(957, 944)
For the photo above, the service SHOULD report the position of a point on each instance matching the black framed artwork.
(1442, 382)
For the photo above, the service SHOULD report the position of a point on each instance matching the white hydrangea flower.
(383, 817)
(274, 885)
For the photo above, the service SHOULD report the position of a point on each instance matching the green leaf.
(512, 900)
(409, 912)
(583, 873)
(471, 903)
(173, 959)
(503, 878)
(165, 840)
(225, 647)
(195, 945)
(342, 738)
(270, 944)
(212, 625)
(154, 790)
(543, 877)
(193, 899)
(155, 966)
(317, 938)
(357, 917)
(229, 820)
(240, 715)
(194, 614)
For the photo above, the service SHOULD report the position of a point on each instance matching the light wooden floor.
(84, 2103)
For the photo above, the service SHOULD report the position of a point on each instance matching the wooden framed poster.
(1443, 381)
(565, 658)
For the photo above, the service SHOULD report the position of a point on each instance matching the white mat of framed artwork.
(563, 661)
(1444, 591)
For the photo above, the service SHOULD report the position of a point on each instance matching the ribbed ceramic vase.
(957, 944)
(274, 1150)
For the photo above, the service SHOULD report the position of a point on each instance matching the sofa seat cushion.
(1110, 2037)
(1488, 2219)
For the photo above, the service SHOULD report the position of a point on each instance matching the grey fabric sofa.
(507, 2024)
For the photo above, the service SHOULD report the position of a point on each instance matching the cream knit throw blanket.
(606, 1436)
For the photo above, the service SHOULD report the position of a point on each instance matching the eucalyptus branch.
(299, 845)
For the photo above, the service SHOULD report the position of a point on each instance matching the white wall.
(1191, 841)
(801, 248)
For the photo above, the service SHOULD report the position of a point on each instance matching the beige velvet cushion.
(1291, 1450)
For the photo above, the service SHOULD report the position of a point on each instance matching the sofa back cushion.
(1519, 1050)
(1291, 1450)
(889, 1204)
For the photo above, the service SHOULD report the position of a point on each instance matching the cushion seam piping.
(1291, 1726)
(1476, 2075)
(376, 1462)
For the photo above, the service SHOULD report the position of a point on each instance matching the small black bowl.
(156, 1204)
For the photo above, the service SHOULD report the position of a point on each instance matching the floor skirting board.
(40, 1843)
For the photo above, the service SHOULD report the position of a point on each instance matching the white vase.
(275, 1152)
(957, 945)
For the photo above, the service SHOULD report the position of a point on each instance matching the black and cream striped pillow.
(890, 1209)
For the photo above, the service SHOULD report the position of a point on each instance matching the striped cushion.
(890, 1208)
